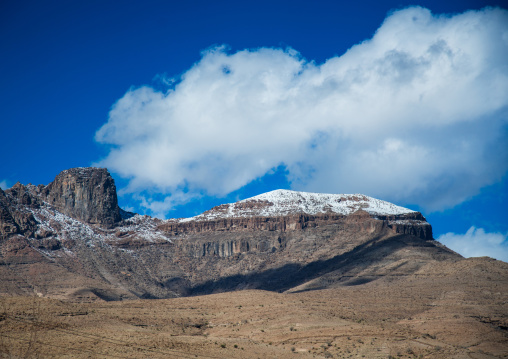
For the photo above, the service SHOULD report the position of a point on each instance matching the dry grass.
(422, 317)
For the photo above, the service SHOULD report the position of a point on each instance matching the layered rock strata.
(412, 223)
(87, 194)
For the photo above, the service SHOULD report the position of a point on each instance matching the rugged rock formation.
(412, 223)
(17, 203)
(73, 235)
(87, 194)
(8, 225)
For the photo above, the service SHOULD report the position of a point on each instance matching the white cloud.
(477, 243)
(159, 208)
(417, 114)
(4, 184)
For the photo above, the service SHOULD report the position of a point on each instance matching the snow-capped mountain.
(285, 202)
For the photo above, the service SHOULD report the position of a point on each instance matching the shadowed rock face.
(8, 225)
(87, 194)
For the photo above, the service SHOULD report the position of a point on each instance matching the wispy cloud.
(477, 243)
(159, 208)
(4, 184)
(416, 114)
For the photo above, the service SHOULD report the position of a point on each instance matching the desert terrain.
(452, 310)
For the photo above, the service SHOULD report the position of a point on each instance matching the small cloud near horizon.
(477, 243)
(417, 114)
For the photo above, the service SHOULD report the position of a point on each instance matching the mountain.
(284, 202)
(69, 239)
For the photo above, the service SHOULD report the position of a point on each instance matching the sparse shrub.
(223, 345)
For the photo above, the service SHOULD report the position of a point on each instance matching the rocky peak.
(19, 194)
(85, 193)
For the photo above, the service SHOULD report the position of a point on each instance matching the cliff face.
(72, 234)
(232, 236)
(86, 194)
(413, 224)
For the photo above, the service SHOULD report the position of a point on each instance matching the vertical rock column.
(87, 194)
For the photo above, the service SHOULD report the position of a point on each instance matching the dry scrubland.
(456, 310)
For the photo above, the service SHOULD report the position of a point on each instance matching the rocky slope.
(70, 239)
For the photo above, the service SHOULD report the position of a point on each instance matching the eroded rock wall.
(87, 194)
(233, 236)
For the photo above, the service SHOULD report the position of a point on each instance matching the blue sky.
(192, 104)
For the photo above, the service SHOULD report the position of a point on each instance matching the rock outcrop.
(87, 194)
(16, 204)
(8, 225)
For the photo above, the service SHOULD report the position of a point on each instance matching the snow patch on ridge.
(63, 227)
(284, 202)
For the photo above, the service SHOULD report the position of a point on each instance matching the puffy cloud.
(477, 243)
(417, 114)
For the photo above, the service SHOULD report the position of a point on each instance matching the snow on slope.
(63, 227)
(283, 202)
